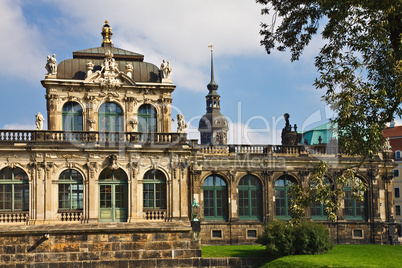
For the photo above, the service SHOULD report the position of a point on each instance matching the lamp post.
(195, 223)
(195, 210)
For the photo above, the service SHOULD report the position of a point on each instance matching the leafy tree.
(359, 66)
(324, 190)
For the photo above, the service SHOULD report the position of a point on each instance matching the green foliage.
(359, 65)
(325, 189)
(282, 238)
(311, 238)
(278, 238)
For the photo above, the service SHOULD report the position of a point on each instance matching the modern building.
(109, 180)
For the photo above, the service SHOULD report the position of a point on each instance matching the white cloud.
(21, 45)
(178, 31)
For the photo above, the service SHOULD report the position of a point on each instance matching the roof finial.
(212, 85)
(107, 35)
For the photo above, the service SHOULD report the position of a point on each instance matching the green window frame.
(250, 198)
(215, 198)
(110, 117)
(14, 190)
(71, 190)
(72, 116)
(282, 198)
(318, 209)
(353, 209)
(154, 190)
(147, 121)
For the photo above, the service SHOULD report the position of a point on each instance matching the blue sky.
(256, 88)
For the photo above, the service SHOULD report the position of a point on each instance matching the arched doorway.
(113, 196)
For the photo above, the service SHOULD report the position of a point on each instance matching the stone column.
(268, 195)
(92, 193)
(54, 120)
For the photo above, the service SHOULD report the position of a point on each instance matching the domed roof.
(325, 131)
(76, 68)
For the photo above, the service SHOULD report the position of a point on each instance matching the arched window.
(250, 198)
(110, 117)
(70, 190)
(113, 195)
(282, 199)
(318, 209)
(14, 190)
(154, 193)
(354, 210)
(72, 116)
(215, 198)
(147, 118)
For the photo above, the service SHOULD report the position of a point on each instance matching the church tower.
(213, 126)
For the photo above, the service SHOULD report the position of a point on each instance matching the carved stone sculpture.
(91, 123)
(90, 67)
(39, 121)
(51, 65)
(166, 71)
(134, 124)
(129, 70)
(181, 125)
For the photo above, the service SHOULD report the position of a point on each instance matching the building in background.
(394, 133)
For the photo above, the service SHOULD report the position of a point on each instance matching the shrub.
(277, 238)
(280, 238)
(311, 238)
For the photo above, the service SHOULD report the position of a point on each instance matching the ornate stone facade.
(109, 156)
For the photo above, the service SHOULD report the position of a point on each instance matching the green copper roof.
(325, 131)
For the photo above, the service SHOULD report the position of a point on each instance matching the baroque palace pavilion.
(109, 157)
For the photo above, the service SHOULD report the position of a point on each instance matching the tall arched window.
(147, 118)
(110, 117)
(215, 198)
(282, 199)
(250, 198)
(72, 116)
(14, 190)
(113, 195)
(318, 208)
(71, 190)
(154, 192)
(354, 210)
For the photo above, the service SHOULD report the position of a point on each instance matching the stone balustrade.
(14, 217)
(70, 216)
(117, 138)
(155, 215)
(30, 136)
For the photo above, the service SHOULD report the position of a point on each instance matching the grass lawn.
(340, 256)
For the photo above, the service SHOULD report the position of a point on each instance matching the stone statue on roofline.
(51, 65)
(39, 121)
(181, 125)
(166, 71)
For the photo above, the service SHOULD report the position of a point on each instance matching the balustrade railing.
(154, 215)
(70, 216)
(90, 136)
(267, 149)
(14, 217)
